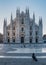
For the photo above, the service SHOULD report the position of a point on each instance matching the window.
(36, 40)
(22, 29)
(8, 33)
(30, 40)
(22, 21)
(36, 33)
(30, 33)
(30, 27)
(14, 34)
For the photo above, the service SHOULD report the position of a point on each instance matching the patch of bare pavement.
(21, 60)
(21, 56)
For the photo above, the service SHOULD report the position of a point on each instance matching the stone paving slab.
(22, 61)
(7, 57)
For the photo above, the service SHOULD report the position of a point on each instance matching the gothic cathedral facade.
(23, 29)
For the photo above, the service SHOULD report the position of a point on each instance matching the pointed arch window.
(36, 40)
(22, 29)
(31, 40)
(30, 33)
(13, 33)
(22, 21)
(8, 33)
(30, 27)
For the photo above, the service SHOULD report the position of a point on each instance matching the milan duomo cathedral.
(23, 29)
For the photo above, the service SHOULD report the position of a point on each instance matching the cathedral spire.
(18, 12)
(40, 21)
(11, 17)
(40, 30)
(33, 16)
(33, 28)
(27, 12)
(5, 22)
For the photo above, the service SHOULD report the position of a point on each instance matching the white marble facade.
(23, 29)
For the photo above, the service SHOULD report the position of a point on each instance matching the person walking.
(34, 57)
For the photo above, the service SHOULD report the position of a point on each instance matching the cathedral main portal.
(22, 39)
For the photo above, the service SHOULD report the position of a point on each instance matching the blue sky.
(8, 6)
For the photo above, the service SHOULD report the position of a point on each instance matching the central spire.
(27, 12)
(18, 12)
(33, 16)
(11, 17)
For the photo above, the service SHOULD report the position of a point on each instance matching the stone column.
(18, 26)
(11, 28)
(33, 29)
(5, 31)
(27, 26)
(40, 31)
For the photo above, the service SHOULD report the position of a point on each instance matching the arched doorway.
(14, 40)
(36, 40)
(22, 39)
(30, 40)
(8, 40)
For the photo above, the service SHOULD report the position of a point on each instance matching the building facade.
(44, 38)
(23, 29)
